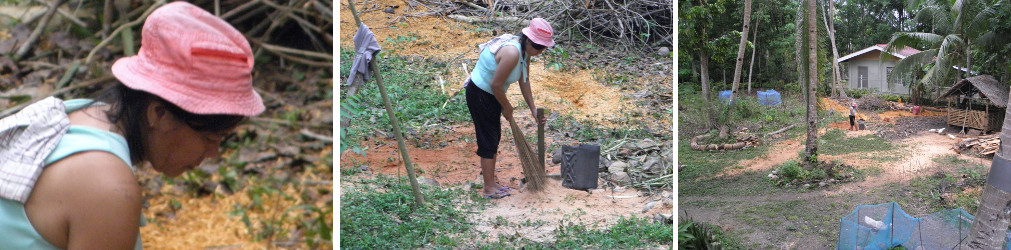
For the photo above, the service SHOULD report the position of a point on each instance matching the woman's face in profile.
(176, 147)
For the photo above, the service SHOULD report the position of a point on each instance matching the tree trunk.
(738, 63)
(704, 71)
(811, 147)
(837, 87)
(754, 42)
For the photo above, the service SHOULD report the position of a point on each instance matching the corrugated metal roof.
(901, 54)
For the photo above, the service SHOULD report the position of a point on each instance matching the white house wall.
(876, 76)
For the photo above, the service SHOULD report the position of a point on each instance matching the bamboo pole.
(540, 137)
(420, 200)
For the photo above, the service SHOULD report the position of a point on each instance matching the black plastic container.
(579, 166)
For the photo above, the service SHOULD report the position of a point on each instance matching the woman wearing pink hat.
(67, 180)
(503, 61)
(853, 116)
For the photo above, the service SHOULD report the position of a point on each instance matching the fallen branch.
(780, 130)
(316, 136)
(27, 44)
(61, 91)
(507, 19)
(290, 123)
(242, 8)
(472, 5)
(294, 51)
(108, 39)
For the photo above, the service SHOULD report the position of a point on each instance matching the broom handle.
(540, 137)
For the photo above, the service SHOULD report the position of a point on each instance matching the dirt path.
(920, 150)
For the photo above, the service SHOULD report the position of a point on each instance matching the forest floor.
(896, 159)
(587, 105)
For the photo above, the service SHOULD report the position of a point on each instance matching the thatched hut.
(977, 102)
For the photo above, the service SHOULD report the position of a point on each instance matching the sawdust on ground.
(214, 221)
(581, 92)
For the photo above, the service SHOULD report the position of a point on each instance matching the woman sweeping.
(503, 61)
(67, 181)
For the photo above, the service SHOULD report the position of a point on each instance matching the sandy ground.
(533, 216)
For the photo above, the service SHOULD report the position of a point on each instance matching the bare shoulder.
(87, 196)
(91, 171)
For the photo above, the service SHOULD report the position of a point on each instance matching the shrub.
(747, 107)
(818, 173)
(858, 93)
(791, 170)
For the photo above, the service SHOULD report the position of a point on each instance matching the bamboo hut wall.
(977, 119)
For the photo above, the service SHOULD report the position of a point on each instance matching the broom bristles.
(532, 171)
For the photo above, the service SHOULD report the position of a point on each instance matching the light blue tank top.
(16, 232)
(486, 65)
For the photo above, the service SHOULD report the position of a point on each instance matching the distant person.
(189, 86)
(503, 60)
(853, 116)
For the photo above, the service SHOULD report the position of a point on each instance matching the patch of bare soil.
(533, 216)
(556, 206)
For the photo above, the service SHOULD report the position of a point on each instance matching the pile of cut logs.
(982, 146)
(747, 141)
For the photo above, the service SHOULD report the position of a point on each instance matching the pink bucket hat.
(540, 32)
(194, 60)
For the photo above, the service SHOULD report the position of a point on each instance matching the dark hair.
(523, 44)
(128, 112)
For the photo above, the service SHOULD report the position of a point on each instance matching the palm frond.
(975, 18)
(942, 74)
(959, 14)
(952, 45)
(912, 64)
(937, 15)
(981, 21)
(991, 42)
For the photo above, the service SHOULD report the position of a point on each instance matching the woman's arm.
(525, 89)
(507, 58)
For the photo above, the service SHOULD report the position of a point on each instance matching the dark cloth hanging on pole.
(365, 46)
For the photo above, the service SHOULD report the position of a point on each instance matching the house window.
(862, 77)
(888, 73)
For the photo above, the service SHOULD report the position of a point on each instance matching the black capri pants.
(485, 111)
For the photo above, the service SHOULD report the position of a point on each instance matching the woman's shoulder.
(90, 170)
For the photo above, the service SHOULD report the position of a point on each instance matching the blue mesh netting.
(769, 98)
(885, 225)
(724, 95)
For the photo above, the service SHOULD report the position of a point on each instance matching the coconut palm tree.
(947, 33)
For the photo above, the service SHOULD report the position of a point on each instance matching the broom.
(532, 171)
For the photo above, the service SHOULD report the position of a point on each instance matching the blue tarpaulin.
(769, 98)
(885, 225)
(725, 96)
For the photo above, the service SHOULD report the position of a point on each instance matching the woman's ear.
(157, 115)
